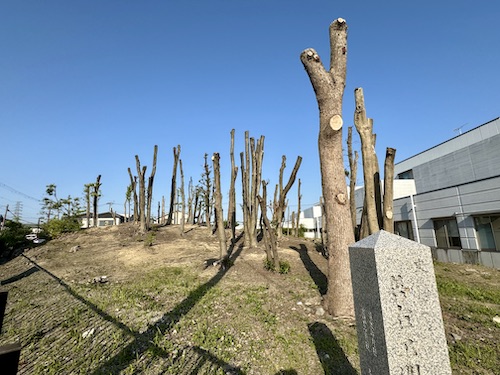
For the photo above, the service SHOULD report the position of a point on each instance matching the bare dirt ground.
(101, 301)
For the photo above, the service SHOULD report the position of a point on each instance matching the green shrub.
(269, 265)
(12, 237)
(284, 267)
(55, 227)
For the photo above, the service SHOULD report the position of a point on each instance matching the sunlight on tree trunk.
(329, 89)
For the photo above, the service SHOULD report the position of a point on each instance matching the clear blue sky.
(86, 85)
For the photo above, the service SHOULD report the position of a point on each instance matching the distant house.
(103, 219)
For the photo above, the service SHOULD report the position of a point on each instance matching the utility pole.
(2, 224)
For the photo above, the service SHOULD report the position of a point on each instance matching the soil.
(116, 255)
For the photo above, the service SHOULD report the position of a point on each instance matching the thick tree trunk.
(389, 189)
(150, 189)
(353, 172)
(219, 216)
(329, 89)
(173, 186)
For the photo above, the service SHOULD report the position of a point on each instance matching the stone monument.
(398, 316)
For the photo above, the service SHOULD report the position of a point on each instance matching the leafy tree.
(55, 227)
(12, 237)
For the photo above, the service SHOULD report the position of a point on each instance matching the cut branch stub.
(336, 122)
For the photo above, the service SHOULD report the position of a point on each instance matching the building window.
(406, 175)
(404, 229)
(447, 235)
(104, 223)
(488, 231)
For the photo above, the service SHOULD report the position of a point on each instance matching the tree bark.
(353, 172)
(364, 126)
(269, 235)
(142, 195)
(329, 89)
(281, 192)
(219, 216)
(389, 189)
(95, 195)
(150, 189)
(207, 193)
(251, 173)
(299, 197)
(133, 184)
(231, 214)
(87, 188)
(183, 199)
(173, 186)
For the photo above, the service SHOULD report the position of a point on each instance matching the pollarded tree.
(329, 89)
(133, 186)
(173, 191)
(353, 172)
(231, 214)
(375, 215)
(206, 192)
(150, 189)
(280, 193)
(251, 178)
(141, 211)
(96, 194)
(219, 216)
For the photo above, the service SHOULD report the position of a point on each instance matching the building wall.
(457, 179)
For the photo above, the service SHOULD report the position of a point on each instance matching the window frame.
(496, 241)
(445, 221)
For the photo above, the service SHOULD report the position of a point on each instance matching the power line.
(12, 190)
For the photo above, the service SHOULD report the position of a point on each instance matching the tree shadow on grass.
(330, 353)
(317, 275)
(144, 342)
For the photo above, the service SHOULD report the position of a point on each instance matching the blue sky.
(87, 85)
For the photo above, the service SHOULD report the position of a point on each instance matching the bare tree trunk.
(162, 220)
(133, 184)
(353, 172)
(389, 189)
(173, 187)
(294, 224)
(207, 193)
(87, 192)
(329, 89)
(280, 197)
(183, 200)
(231, 214)
(299, 196)
(197, 206)
(142, 195)
(251, 173)
(364, 125)
(271, 241)
(219, 216)
(95, 195)
(190, 201)
(150, 189)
